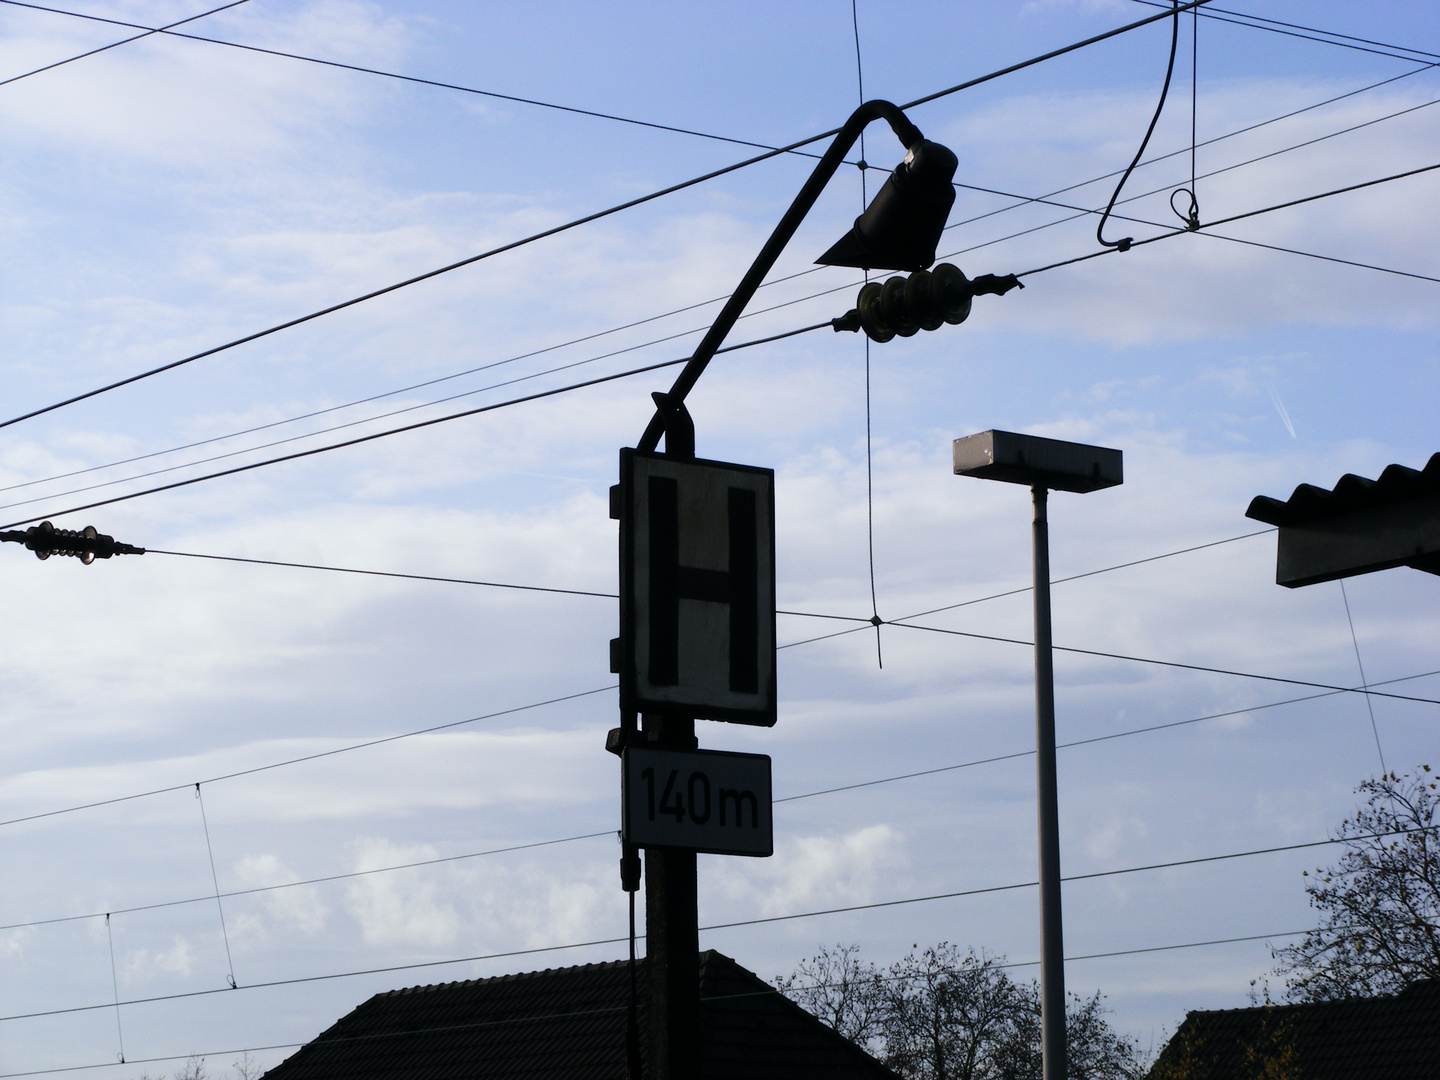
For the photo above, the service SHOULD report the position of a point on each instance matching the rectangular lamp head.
(1032, 461)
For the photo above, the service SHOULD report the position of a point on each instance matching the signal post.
(697, 584)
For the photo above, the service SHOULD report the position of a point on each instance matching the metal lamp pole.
(1043, 464)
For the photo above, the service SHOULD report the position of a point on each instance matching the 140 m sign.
(699, 800)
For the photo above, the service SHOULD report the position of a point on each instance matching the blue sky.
(169, 195)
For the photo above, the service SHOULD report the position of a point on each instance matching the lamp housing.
(901, 227)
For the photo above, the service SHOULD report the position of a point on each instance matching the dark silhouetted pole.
(1044, 465)
(1052, 947)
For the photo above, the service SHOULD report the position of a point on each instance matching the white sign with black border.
(697, 588)
(697, 800)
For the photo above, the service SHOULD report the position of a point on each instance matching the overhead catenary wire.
(417, 425)
(846, 787)
(733, 924)
(323, 879)
(861, 622)
(94, 804)
(1020, 203)
(383, 573)
(671, 363)
(1083, 211)
(1026, 588)
(837, 789)
(1238, 217)
(407, 409)
(1330, 33)
(147, 32)
(1202, 668)
(583, 220)
(479, 1024)
(1310, 33)
(235, 773)
(413, 79)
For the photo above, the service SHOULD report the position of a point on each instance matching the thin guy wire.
(1172, 864)
(115, 984)
(869, 452)
(588, 218)
(1369, 704)
(403, 410)
(1236, 217)
(1331, 33)
(1022, 201)
(1151, 729)
(1027, 588)
(1087, 742)
(53, 920)
(1081, 211)
(417, 80)
(764, 920)
(1383, 49)
(598, 690)
(116, 44)
(652, 367)
(1084, 211)
(308, 757)
(1194, 92)
(383, 573)
(417, 425)
(371, 1036)
(1168, 663)
(215, 878)
(603, 689)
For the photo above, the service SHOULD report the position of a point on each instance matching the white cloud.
(394, 910)
(145, 965)
(810, 871)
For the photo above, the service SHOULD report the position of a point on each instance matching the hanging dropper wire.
(875, 619)
(1124, 243)
(1191, 217)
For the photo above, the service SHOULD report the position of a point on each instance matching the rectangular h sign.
(698, 800)
(697, 588)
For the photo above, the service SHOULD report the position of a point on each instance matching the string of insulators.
(924, 300)
(85, 544)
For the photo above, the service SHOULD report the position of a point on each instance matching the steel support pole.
(1052, 948)
(672, 935)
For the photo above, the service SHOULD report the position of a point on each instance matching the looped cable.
(1191, 217)
(1124, 243)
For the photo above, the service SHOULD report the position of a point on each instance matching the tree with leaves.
(943, 1014)
(1380, 904)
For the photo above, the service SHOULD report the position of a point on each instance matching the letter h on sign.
(697, 588)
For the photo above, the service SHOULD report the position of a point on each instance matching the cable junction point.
(85, 544)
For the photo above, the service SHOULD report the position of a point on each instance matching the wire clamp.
(1191, 217)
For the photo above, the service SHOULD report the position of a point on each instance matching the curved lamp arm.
(908, 135)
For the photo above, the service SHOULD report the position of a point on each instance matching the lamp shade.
(901, 227)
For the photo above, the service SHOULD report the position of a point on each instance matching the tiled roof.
(1309, 503)
(1383, 1038)
(570, 1023)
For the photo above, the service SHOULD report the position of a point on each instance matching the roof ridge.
(513, 976)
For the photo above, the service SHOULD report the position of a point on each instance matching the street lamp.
(1043, 464)
(898, 231)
